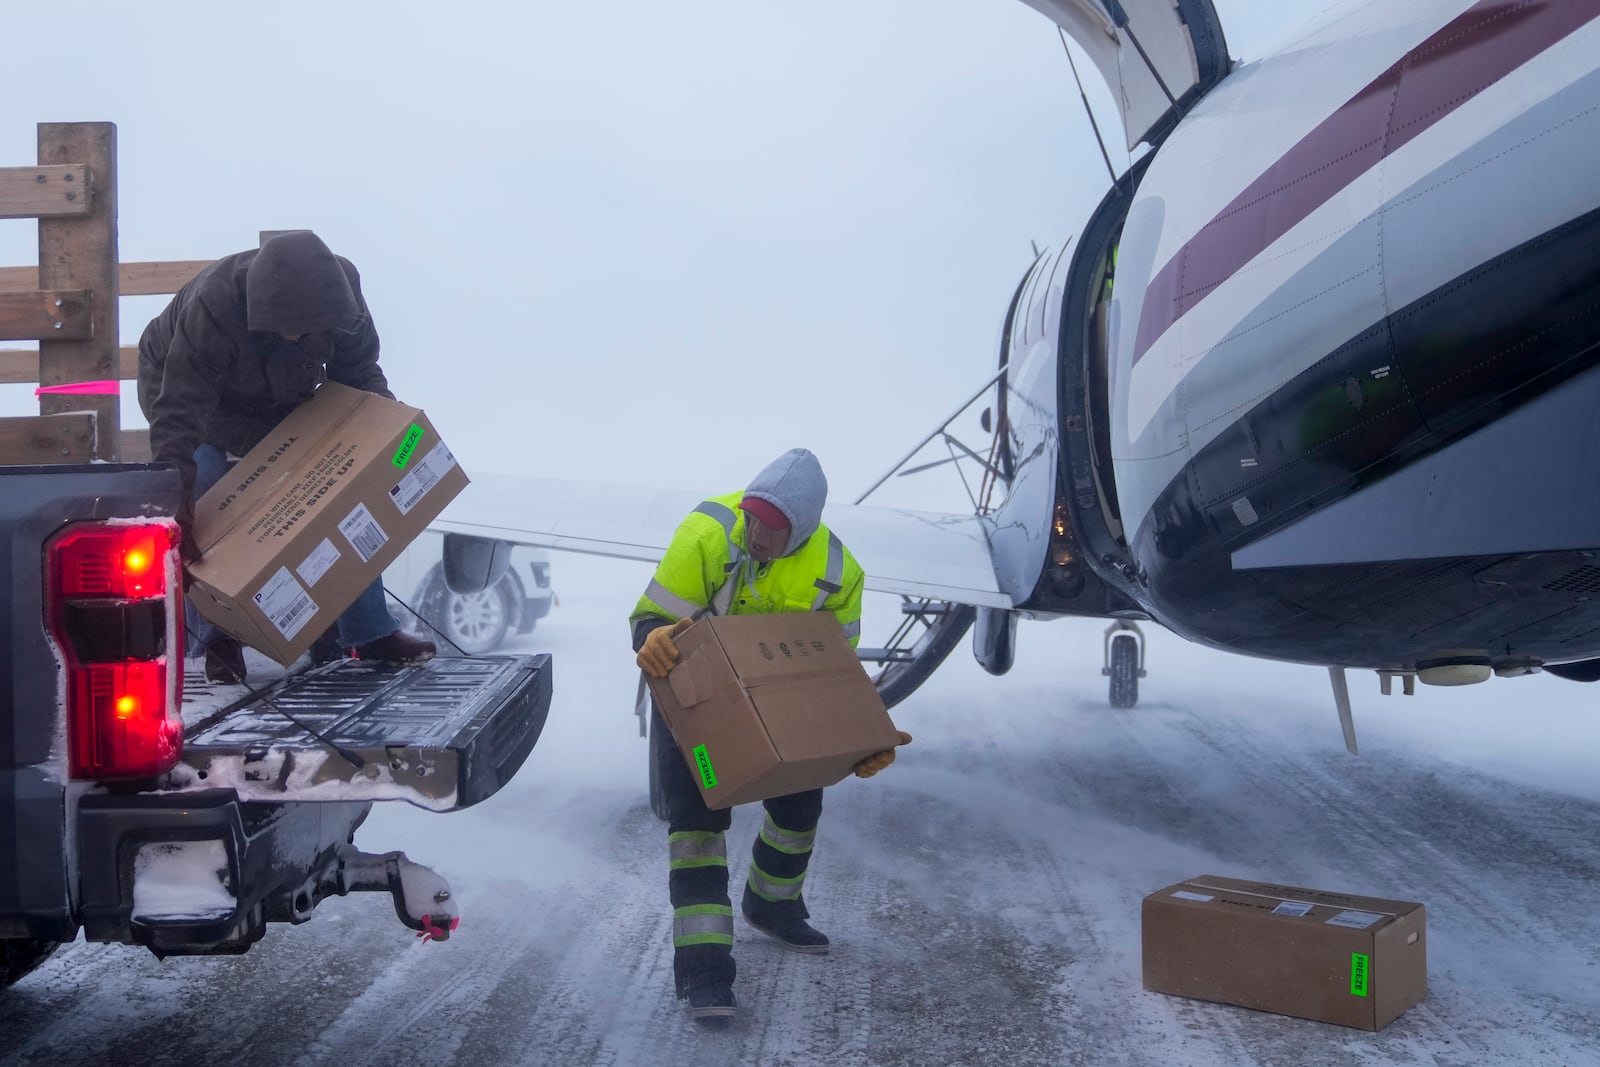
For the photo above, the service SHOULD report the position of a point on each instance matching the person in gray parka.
(240, 346)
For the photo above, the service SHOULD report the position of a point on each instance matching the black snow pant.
(697, 877)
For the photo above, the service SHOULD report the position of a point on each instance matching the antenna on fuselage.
(1101, 141)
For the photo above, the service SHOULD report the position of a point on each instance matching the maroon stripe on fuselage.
(1476, 49)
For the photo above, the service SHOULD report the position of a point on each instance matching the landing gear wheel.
(1124, 663)
(19, 956)
(1124, 672)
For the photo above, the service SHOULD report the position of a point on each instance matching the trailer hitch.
(422, 897)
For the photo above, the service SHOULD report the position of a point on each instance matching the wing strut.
(1341, 700)
(940, 430)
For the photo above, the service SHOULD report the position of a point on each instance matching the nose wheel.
(1124, 647)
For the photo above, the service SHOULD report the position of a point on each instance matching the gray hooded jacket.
(795, 485)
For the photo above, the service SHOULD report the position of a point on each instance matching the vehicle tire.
(19, 956)
(476, 623)
(658, 791)
(1124, 671)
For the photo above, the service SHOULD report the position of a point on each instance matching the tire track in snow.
(534, 993)
(1100, 897)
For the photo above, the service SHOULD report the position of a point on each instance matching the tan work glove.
(659, 654)
(878, 761)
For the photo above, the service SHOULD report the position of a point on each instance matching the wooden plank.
(81, 253)
(41, 192)
(133, 279)
(158, 279)
(37, 314)
(62, 438)
(21, 365)
(136, 446)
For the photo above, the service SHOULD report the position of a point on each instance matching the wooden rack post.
(69, 302)
(79, 253)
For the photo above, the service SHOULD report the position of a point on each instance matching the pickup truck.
(140, 807)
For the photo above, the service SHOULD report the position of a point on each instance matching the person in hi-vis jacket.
(760, 551)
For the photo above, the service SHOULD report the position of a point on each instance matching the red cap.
(766, 511)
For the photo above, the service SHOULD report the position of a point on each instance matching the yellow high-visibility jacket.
(707, 570)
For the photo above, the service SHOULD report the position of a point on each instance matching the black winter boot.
(712, 1002)
(789, 929)
(225, 661)
(398, 647)
(327, 648)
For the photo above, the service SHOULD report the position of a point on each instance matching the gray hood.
(795, 485)
(296, 285)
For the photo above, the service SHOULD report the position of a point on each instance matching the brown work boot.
(398, 647)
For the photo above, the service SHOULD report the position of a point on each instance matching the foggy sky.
(631, 242)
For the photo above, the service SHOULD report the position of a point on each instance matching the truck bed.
(443, 735)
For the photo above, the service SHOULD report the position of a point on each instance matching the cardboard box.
(1355, 961)
(767, 705)
(316, 511)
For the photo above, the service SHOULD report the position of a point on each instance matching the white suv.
(476, 623)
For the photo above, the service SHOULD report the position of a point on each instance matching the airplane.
(1315, 382)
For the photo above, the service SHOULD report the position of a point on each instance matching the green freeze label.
(1358, 975)
(409, 445)
(708, 777)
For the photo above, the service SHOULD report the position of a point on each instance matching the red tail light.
(113, 561)
(115, 613)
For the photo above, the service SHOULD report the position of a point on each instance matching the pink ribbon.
(106, 387)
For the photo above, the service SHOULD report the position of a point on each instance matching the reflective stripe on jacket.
(704, 571)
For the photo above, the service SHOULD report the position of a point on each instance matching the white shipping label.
(363, 532)
(1292, 907)
(1356, 920)
(1184, 894)
(424, 476)
(286, 603)
(314, 566)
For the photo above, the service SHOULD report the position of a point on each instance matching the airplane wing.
(910, 553)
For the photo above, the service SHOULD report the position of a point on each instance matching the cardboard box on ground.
(767, 705)
(1332, 957)
(316, 511)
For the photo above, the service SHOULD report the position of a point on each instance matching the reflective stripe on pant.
(699, 924)
(781, 854)
(697, 873)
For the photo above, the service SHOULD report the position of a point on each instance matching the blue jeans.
(366, 620)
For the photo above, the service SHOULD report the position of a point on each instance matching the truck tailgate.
(443, 734)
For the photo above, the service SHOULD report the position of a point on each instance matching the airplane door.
(1157, 56)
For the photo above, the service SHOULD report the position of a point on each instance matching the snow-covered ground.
(983, 893)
